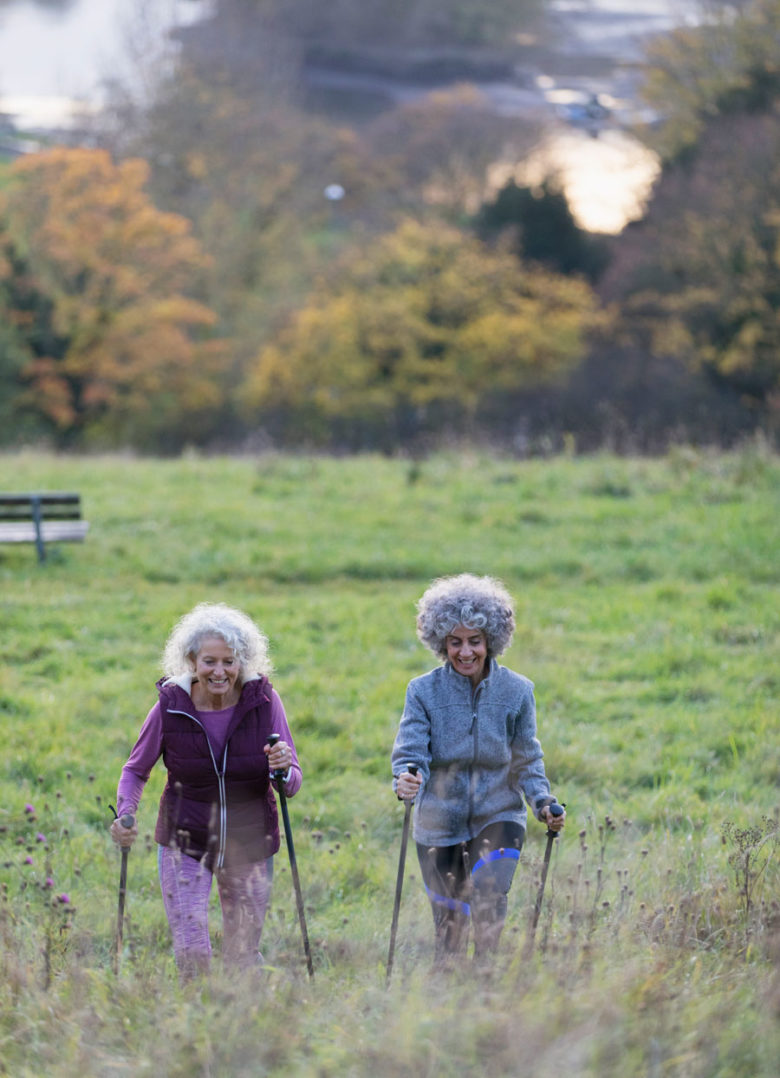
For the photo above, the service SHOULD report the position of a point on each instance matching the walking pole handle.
(272, 739)
(127, 819)
(556, 810)
(412, 769)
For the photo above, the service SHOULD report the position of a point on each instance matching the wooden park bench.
(48, 517)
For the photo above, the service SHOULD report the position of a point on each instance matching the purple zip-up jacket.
(221, 810)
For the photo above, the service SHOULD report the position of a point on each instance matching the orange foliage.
(117, 273)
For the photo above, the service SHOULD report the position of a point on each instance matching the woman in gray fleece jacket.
(469, 727)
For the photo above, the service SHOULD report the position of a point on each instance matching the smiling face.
(467, 651)
(217, 671)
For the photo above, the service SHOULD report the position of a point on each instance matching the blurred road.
(596, 48)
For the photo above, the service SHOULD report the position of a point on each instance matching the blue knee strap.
(449, 903)
(495, 855)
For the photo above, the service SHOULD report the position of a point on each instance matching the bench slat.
(46, 497)
(17, 507)
(48, 512)
(52, 531)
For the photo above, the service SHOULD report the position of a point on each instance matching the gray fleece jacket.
(476, 750)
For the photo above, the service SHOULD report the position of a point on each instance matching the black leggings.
(470, 881)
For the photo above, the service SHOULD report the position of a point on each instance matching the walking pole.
(556, 810)
(293, 863)
(412, 769)
(126, 821)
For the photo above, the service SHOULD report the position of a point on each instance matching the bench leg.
(36, 510)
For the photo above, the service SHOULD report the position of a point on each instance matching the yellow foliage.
(427, 314)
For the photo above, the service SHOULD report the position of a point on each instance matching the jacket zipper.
(475, 740)
(473, 751)
(222, 840)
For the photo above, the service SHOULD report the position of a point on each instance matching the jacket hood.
(184, 681)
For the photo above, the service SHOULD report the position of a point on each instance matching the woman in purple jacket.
(211, 723)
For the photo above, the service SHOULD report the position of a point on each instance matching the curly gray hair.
(239, 632)
(478, 602)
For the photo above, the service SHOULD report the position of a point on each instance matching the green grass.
(646, 595)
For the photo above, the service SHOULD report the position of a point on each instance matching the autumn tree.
(100, 288)
(699, 278)
(414, 332)
(24, 316)
(727, 64)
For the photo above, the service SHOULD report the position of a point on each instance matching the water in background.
(63, 48)
(618, 26)
(55, 51)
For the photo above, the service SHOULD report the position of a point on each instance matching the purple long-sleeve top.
(148, 749)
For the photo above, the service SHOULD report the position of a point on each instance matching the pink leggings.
(244, 893)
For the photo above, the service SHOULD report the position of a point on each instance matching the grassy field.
(647, 602)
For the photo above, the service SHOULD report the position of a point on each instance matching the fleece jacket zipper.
(475, 746)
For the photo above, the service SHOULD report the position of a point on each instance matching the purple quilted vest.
(221, 811)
